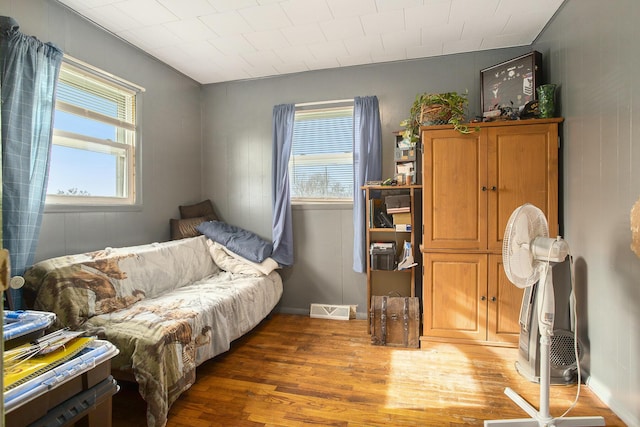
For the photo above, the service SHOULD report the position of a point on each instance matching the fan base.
(540, 420)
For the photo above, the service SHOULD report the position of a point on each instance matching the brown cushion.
(204, 208)
(183, 228)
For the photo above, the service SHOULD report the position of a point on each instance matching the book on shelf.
(402, 218)
(402, 209)
(407, 260)
(403, 227)
(375, 206)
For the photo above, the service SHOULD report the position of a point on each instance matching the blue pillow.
(238, 240)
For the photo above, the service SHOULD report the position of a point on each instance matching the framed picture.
(512, 83)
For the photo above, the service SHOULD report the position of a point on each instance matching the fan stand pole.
(542, 418)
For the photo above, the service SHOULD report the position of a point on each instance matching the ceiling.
(224, 40)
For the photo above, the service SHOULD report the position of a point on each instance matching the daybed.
(167, 307)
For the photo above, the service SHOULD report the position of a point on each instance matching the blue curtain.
(29, 74)
(283, 119)
(367, 166)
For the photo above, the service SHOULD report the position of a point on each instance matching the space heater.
(563, 364)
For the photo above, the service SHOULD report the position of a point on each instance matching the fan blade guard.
(525, 224)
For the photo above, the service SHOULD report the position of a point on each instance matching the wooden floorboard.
(297, 371)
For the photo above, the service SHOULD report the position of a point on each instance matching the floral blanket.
(167, 307)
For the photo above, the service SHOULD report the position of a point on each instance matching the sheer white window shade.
(321, 162)
(94, 141)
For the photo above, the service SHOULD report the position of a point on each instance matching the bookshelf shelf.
(404, 282)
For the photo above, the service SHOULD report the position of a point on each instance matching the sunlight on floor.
(406, 390)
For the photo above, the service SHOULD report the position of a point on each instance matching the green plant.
(448, 107)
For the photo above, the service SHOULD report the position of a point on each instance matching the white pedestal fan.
(527, 254)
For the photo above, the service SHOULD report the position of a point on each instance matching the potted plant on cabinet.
(436, 109)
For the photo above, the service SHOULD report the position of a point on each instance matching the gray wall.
(237, 158)
(170, 134)
(591, 50)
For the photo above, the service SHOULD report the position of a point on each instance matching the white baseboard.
(604, 394)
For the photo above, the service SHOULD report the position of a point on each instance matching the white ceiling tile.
(112, 18)
(168, 53)
(505, 39)
(232, 45)
(321, 64)
(343, 9)
(390, 56)
(225, 64)
(267, 40)
(191, 29)
(350, 60)
(188, 9)
(384, 5)
(131, 38)
(147, 12)
(306, 11)
(524, 23)
(434, 49)
(294, 54)
(384, 22)
(260, 59)
(434, 13)
(202, 49)
(82, 5)
(291, 67)
(467, 10)
(153, 37)
(342, 28)
(303, 35)
(229, 5)
(328, 50)
(261, 71)
(402, 39)
(546, 7)
(264, 18)
(362, 45)
(211, 72)
(477, 28)
(440, 33)
(459, 46)
(226, 23)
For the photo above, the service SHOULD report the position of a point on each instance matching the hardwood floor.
(297, 371)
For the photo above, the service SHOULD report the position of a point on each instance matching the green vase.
(547, 100)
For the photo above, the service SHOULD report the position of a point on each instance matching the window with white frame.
(94, 139)
(321, 162)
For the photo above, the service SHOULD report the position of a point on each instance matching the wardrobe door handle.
(494, 299)
(483, 298)
(494, 188)
(484, 188)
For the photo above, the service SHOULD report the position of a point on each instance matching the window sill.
(66, 208)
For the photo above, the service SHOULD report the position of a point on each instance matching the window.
(321, 162)
(94, 139)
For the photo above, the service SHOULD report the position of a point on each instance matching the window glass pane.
(321, 164)
(322, 181)
(82, 125)
(81, 172)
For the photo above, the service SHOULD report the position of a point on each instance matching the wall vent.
(336, 312)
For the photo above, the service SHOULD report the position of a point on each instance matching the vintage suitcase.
(395, 321)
